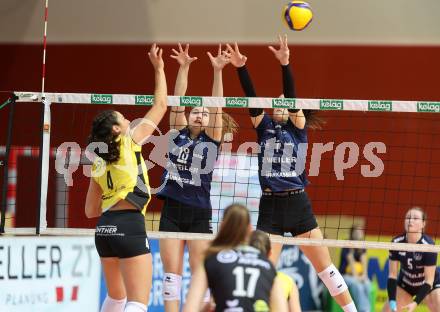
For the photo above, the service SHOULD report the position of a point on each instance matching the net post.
(43, 179)
(4, 202)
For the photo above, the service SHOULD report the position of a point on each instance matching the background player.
(261, 241)
(418, 277)
(353, 266)
(239, 276)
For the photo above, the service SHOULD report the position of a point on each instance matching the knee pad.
(333, 280)
(134, 306)
(172, 285)
(113, 305)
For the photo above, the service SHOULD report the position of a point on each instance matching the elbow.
(301, 124)
(162, 103)
(392, 275)
(91, 212)
(89, 215)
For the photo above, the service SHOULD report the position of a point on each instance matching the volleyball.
(297, 15)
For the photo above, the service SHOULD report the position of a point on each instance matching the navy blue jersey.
(240, 279)
(188, 175)
(281, 160)
(412, 264)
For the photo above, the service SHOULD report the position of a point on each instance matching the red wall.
(412, 170)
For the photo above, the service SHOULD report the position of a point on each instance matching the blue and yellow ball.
(297, 15)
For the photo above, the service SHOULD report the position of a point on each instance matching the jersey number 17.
(240, 289)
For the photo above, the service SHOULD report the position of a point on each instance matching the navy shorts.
(413, 290)
(178, 217)
(121, 234)
(286, 212)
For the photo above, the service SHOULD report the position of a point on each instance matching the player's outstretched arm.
(177, 114)
(153, 117)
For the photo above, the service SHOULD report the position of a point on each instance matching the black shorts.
(121, 234)
(290, 213)
(413, 290)
(178, 217)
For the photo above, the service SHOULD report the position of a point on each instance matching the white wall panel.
(246, 21)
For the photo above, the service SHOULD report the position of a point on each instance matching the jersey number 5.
(240, 290)
(410, 266)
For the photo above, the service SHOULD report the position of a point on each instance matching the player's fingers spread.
(236, 47)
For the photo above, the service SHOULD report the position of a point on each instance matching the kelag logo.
(191, 101)
(428, 107)
(380, 106)
(331, 104)
(144, 100)
(284, 103)
(101, 99)
(237, 102)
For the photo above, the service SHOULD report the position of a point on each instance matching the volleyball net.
(370, 163)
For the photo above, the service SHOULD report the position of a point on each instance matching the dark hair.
(261, 241)
(313, 121)
(233, 229)
(102, 131)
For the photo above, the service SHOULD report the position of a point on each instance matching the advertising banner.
(49, 274)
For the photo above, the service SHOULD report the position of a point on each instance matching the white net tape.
(256, 102)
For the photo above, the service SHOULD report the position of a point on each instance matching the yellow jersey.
(287, 283)
(125, 179)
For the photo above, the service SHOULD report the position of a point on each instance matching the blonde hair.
(229, 124)
(233, 229)
(261, 241)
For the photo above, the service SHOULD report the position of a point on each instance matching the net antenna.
(45, 137)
